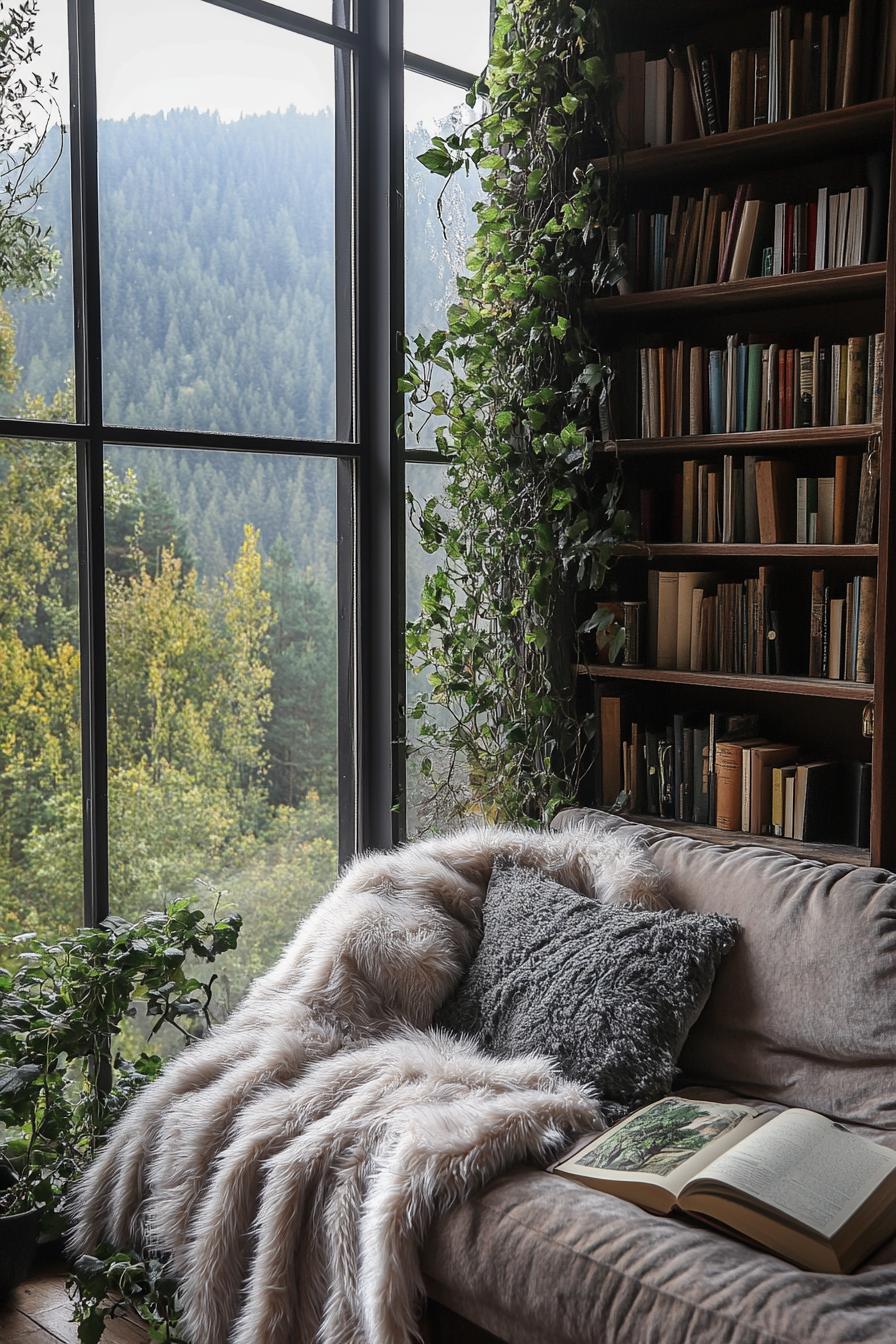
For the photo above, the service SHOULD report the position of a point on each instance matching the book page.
(664, 1143)
(805, 1167)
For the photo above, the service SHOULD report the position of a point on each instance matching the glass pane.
(435, 250)
(216, 168)
(328, 11)
(36, 312)
(41, 875)
(456, 34)
(222, 654)
(430, 788)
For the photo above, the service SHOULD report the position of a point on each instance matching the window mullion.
(89, 382)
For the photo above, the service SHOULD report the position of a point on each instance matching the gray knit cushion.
(609, 991)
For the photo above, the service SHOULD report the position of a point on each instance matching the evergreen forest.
(221, 602)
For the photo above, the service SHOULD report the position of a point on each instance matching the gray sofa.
(803, 1013)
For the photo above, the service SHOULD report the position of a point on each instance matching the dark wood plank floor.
(40, 1313)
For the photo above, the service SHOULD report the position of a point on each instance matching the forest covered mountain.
(218, 307)
(217, 286)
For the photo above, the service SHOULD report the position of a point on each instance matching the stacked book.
(712, 239)
(717, 770)
(757, 500)
(813, 62)
(749, 385)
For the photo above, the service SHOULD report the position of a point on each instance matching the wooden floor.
(40, 1313)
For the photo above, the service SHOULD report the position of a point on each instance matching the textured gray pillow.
(609, 991)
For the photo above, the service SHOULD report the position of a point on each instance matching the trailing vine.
(514, 383)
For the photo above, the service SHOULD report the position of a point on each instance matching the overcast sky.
(154, 55)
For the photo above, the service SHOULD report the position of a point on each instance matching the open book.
(794, 1183)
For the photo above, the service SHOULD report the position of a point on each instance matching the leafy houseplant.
(531, 509)
(62, 1081)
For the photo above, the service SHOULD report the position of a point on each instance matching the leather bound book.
(816, 624)
(866, 615)
(857, 372)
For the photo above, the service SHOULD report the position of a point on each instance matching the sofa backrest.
(803, 1010)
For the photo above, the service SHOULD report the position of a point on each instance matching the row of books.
(813, 62)
(748, 386)
(763, 501)
(841, 630)
(711, 240)
(717, 770)
(703, 621)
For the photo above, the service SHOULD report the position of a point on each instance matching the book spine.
(760, 88)
(816, 624)
(867, 600)
(708, 90)
(728, 772)
(877, 376)
(857, 358)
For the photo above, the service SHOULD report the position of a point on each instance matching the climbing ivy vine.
(514, 384)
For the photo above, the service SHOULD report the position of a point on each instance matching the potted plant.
(70, 1056)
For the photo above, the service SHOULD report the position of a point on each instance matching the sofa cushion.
(803, 1010)
(609, 991)
(535, 1258)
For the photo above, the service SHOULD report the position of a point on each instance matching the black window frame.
(370, 62)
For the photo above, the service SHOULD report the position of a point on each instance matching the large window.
(201, 599)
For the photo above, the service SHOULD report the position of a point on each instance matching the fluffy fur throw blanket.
(291, 1163)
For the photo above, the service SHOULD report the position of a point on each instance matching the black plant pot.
(18, 1242)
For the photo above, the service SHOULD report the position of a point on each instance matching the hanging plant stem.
(530, 514)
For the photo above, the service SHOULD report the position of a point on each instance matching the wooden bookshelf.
(803, 849)
(789, 441)
(835, 285)
(831, 717)
(679, 550)
(845, 128)
(818, 687)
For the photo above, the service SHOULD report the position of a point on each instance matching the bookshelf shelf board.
(805, 686)
(803, 849)
(743, 550)
(799, 138)
(766, 291)
(763, 441)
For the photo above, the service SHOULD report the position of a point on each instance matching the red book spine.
(788, 392)
(782, 389)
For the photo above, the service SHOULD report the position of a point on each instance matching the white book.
(778, 243)
(842, 227)
(858, 210)
(821, 229)
(802, 495)
(833, 228)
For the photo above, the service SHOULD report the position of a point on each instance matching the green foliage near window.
(531, 511)
(62, 1005)
(29, 124)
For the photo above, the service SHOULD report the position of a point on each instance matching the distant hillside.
(218, 309)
